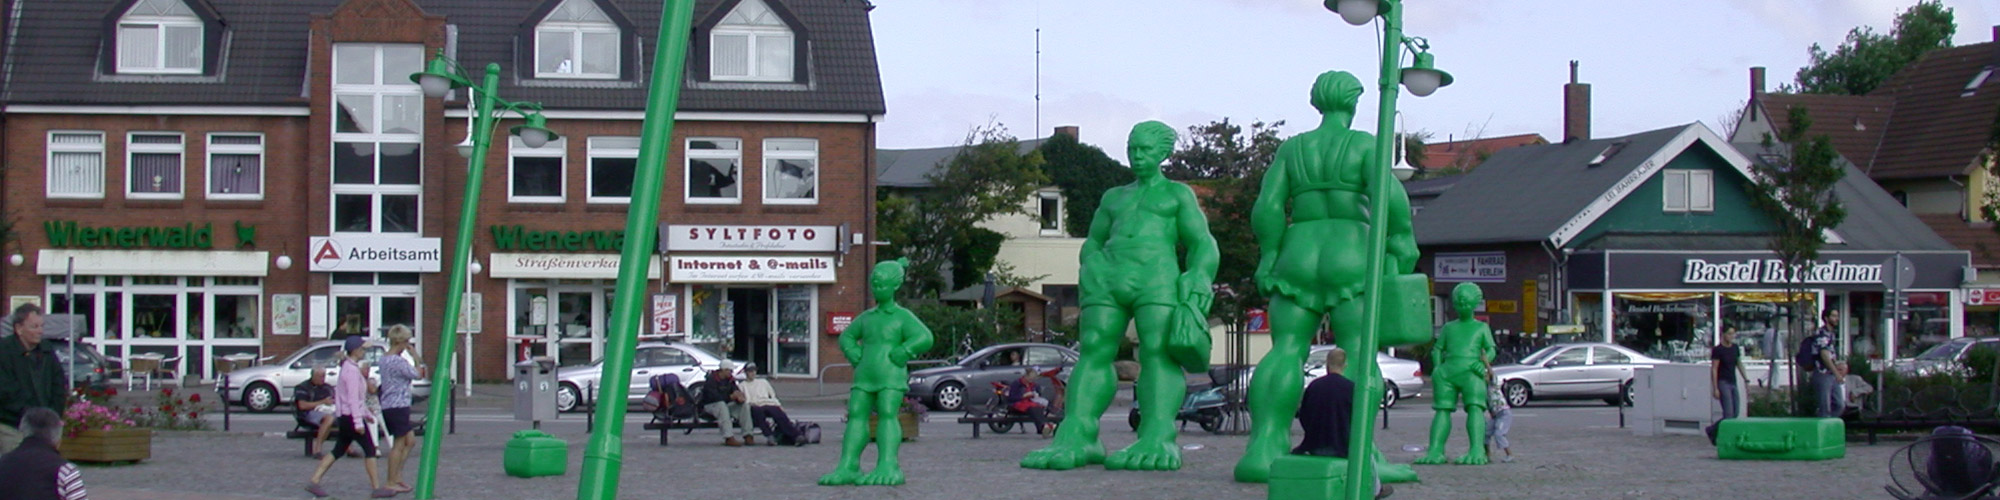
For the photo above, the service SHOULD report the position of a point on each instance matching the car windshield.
(1539, 356)
(1945, 351)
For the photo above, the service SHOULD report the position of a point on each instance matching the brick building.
(249, 177)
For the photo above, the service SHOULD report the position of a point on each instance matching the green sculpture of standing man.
(1313, 263)
(1131, 272)
(879, 344)
(1464, 350)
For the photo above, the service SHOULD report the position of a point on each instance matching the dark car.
(89, 369)
(945, 387)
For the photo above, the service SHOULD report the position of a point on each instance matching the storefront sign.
(71, 234)
(1503, 306)
(55, 261)
(1483, 267)
(666, 315)
(1258, 321)
(1982, 296)
(837, 322)
(1774, 271)
(752, 269)
(562, 266)
(692, 238)
(1757, 269)
(287, 314)
(517, 237)
(374, 253)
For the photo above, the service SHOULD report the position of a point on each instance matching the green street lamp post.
(440, 77)
(1422, 78)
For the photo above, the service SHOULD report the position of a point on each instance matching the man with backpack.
(722, 398)
(1816, 356)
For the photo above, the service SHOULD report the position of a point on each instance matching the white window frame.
(208, 179)
(1701, 190)
(160, 25)
(756, 35)
(133, 149)
(608, 147)
(374, 294)
(54, 148)
(773, 156)
(1041, 198)
(576, 32)
(386, 84)
(687, 170)
(1684, 190)
(553, 149)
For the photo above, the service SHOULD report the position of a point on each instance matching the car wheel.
(1000, 427)
(1133, 418)
(1390, 395)
(261, 397)
(1625, 395)
(567, 397)
(949, 396)
(1517, 392)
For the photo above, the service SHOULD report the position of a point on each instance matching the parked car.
(1573, 371)
(578, 384)
(944, 387)
(1402, 378)
(1947, 357)
(89, 369)
(268, 387)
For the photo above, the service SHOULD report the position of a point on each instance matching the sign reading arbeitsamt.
(374, 254)
(751, 269)
(752, 238)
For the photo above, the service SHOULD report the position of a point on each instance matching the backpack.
(808, 433)
(1807, 356)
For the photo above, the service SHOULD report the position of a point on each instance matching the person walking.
(30, 375)
(35, 470)
(721, 397)
(766, 412)
(1726, 369)
(1816, 356)
(398, 374)
(350, 401)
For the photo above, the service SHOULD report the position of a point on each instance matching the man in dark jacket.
(30, 375)
(721, 398)
(35, 470)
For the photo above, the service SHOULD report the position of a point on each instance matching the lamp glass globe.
(1357, 12)
(434, 85)
(1422, 82)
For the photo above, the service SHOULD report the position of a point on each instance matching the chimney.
(1996, 32)
(1069, 130)
(1756, 80)
(1576, 108)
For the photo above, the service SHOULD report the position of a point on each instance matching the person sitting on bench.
(313, 400)
(1025, 397)
(1326, 409)
(765, 410)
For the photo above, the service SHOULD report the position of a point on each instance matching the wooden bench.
(1931, 408)
(1002, 421)
(301, 430)
(687, 425)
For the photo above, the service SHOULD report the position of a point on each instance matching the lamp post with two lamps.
(441, 76)
(1423, 78)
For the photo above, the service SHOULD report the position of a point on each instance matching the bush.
(959, 330)
(1771, 403)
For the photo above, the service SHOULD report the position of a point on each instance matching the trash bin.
(535, 453)
(535, 389)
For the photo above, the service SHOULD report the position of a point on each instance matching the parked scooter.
(1204, 405)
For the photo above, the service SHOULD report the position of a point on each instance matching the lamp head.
(465, 147)
(438, 78)
(1357, 12)
(1423, 77)
(536, 132)
(284, 262)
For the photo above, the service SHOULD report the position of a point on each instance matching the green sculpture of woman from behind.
(879, 344)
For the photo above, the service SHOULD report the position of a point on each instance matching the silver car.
(268, 387)
(1573, 371)
(1402, 378)
(578, 384)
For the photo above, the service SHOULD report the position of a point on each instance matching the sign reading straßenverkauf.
(738, 269)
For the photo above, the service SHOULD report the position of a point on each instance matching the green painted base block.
(1759, 438)
(535, 454)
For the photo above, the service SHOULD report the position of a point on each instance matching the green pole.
(1360, 456)
(605, 455)
(482, 138)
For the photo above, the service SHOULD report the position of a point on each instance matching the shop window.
(752, 43)
(159, 37)
(235, 317)
(795, 329)
(613, 162)
(76, 165)
(791, 171)
(1763, 322)
(1051, 213)
(235, 166)
(153, 165)
(1667, 325)
(153, 316)
(535, 174)
(577, 40)
(378, 135)
(712, 165)
(1927, 324)
(1688, 190)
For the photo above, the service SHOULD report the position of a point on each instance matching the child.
(1503, 419)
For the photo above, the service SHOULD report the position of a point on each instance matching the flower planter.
(907, 419)
(116, 445)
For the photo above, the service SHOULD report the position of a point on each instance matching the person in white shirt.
(765, 411)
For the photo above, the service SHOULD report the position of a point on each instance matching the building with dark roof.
(244, 177)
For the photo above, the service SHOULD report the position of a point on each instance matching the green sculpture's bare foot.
(1255, 467)
(883, 476)
(840, 477)
(1474, 458)
(1432, 458)
(1147, 454)
(1065, 455)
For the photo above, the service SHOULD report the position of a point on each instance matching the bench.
(305, 432)
(1001, 421)
(1929, 408)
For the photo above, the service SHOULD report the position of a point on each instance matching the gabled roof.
(1875, 220)
(1529, 193)
(1853, 123)
(1936, 129)
(55, 52)
(1465, 154)
(911, 168)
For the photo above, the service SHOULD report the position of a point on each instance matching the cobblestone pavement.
(1558, 458)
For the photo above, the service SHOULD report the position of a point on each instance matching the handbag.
(1188, 341)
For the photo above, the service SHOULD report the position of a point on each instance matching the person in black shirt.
(722, 398)
(1726, 369)
(312, 401)
(30, 375)
(1325, 410)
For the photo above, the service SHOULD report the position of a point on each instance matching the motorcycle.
(1205, 406)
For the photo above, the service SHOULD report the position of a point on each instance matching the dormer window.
(161, 37)
(577, 40)
(752, 43)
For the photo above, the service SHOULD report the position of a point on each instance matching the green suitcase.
(1302, 477)
(1759, 438)
(535, 453)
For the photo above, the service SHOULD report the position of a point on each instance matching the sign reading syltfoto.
(374, 253)
(751, 269)
(690, 238)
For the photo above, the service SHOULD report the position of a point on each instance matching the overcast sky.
(951, 65)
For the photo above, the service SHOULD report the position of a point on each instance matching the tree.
(938, 226)
(1230, 164)
(1413, 147)
(1795, 188)
(1220, 150)
(1867, 59)
(1084, 173)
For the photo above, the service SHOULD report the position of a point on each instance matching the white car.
(1402, 378)
(578, 384)
(269, 387)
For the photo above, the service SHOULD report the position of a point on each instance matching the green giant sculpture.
(1131, 272)
(1313, 263)
(1464, 350)
(879, 344)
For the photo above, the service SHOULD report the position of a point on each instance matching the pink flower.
(107, 428)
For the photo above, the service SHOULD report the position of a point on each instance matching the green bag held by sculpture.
(1406, 310)
(535, 453)
(1188, 341)
(1761, 438)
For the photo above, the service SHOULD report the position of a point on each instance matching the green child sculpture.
(1130, 272)
(1313, 263)
(1464, 350)
(879, 344)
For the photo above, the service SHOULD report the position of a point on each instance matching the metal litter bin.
(535, 390)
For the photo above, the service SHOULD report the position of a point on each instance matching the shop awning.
(154, 263)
